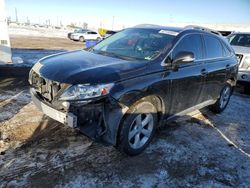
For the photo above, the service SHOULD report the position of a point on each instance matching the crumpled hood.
(80, 67)
(241, 50)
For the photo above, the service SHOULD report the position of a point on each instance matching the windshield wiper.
(113, 55)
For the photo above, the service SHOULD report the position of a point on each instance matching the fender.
(126, 93)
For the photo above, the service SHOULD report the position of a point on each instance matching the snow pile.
(38, 31)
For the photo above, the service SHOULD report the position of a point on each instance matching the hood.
(241, 49)
(81, 67)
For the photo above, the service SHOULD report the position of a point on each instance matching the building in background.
(5, 49)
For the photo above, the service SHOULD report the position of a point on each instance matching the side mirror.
(183, 57)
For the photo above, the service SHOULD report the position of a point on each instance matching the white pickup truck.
(241, 45)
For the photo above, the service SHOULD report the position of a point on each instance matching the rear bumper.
(243, 76)
(66, 118)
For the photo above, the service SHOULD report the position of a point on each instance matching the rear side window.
(213, 47)
(227, 52)
(190, 43)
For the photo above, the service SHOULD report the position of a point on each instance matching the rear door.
(88, 35)
(187, 82)
(92, 35)
(216, 66)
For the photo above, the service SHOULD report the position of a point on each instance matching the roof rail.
(147, 25)
(203, 29)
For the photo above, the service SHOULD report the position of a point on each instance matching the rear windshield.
(240, 40)
(134, 43)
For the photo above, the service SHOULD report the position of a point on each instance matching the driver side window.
(190, 43)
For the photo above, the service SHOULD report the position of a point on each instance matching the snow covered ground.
(31, 56)
(200, 149)
(38, 31)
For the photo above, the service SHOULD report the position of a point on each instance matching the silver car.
(241, 45)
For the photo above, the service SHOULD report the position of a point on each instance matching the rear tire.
(138, 128)
(223, 100)
(81, 39)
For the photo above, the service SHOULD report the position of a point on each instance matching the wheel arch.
(156, 100)
(232, 81)
(116, 112)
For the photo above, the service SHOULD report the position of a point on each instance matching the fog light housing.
(244, 76)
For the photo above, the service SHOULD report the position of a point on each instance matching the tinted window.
(213, 47)
(142, 44)
(92, 32)
(190, 43)
(240, 40)
(110, 32)
(227, 52)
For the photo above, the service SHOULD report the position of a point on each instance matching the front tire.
(138, 128)
(223, 100)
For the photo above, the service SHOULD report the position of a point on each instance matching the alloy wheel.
(225, 95)
(140, 130)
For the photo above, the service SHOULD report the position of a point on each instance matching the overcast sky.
(131, 12)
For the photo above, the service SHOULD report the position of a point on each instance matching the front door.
(187, 81)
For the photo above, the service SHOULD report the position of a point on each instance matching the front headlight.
(246, 63)
(84, 91)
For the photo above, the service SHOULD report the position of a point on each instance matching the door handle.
(204, 72)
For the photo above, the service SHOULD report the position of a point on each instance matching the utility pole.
(16, 15)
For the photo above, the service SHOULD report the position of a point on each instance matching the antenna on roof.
(203, 29)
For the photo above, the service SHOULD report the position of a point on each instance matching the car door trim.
(191, 109)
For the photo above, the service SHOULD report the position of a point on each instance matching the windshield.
(240, 40)
(134, 43)
(80, 30)
(76, 30)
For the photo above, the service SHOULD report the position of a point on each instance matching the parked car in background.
(241, 45)
(226, 33)
(129, 84)
(77, 31)
(109, 33)
(83, 34)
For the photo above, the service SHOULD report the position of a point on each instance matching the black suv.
(126, 86)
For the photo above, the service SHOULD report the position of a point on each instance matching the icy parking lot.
(201, 149)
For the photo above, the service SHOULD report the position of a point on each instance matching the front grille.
(239, 57)
(46, 88)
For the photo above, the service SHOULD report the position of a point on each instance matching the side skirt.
(196, 107)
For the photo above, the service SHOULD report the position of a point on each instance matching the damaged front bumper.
(65, 118)
(99, 121)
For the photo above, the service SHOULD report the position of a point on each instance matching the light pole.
(113, 20)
